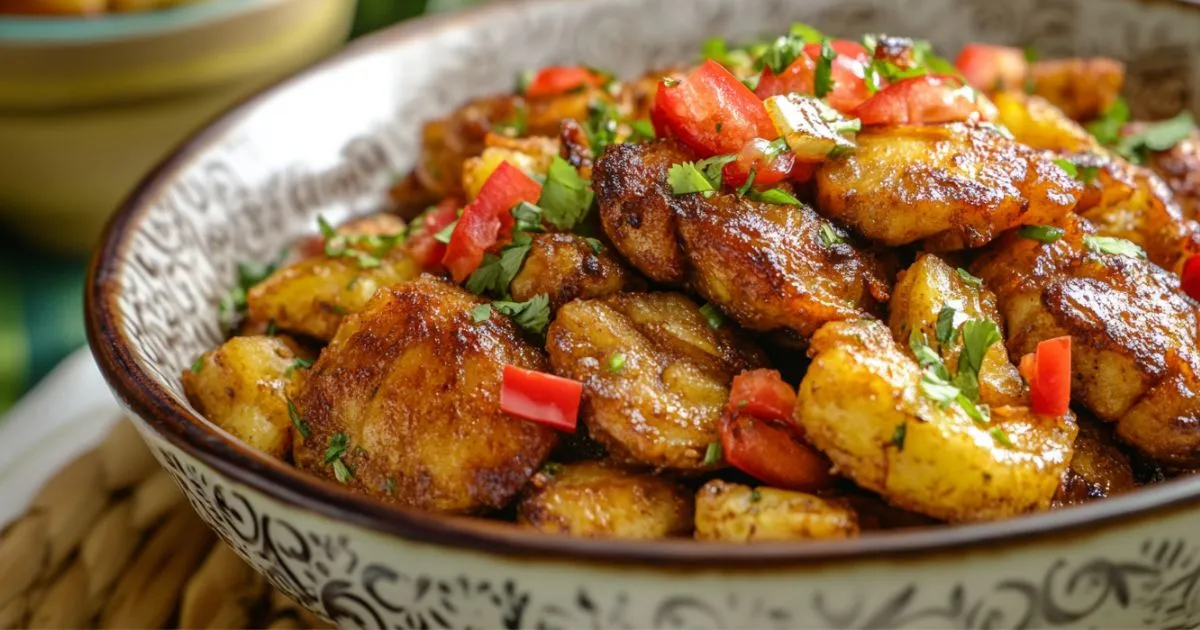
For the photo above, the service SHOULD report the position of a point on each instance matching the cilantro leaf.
(938, 389)
(777, 196)
(829, 235)
(823, 77)
(444, 234)
(978, 335)
(341, 471)
(1112, 245)
(944, 329)
(198, 364)
(566, 197)
(338, 442)
(685, 178)
(643, 130)
(712, 454)
(528, 217)
(1041, 233)
(532, 315)
(712, 315)
(1107, 128)
(978, 413)
(1067, 166)
(926, 357)
(713, 169)
(481, 313)
(297, 421)
(1001, 437)
(1159, 136)
(969, 279)
(899, 434)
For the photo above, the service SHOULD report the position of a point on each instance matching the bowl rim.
(33, 29)
(186, 430)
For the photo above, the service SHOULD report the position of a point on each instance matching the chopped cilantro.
(1112, 245)
(327, 230)
(481, 313)
(272, 330)
(899, 434)
(1067, 166)
(516, 125)
(1159, 136)
(595, 244)
(746, 187)
(551, 469)
(532, 315)
(616, 362)
(712, 455)
(1041, 233)
(978, 413)
(443, 235)
(755, 495)
(198, 364)
(969, 279)
(1001, 437)
(712, 315)
(944, 329)
(524, 78)
(823, 76)
(643, 130)
(338, 443)
(528, 217)
(805, 33)
(603, 122)
(497, 272)
(297, 421)
(299, 363)
(978, 335)
(342, 472)
(713, 167)
(776, 196)
(829, 235)
(1107, 128)
(566, 197)
(390, 486)
(938, 389)
(685, 178)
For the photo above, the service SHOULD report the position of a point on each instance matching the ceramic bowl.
(330, 142)
(89, 105)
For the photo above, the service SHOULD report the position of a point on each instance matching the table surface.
(41, 295)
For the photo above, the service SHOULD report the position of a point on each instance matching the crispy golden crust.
(662, 406)
(732, 512)
(1179, 167)
(636, 206)
(766, 265)
(566, 267)
(413, 382)
(861, 387)
(594, 500)
(310, 297)
(953, 184)
(1099, 469)
(241, 387)
(1081, 88)
(930, 285)
(1133, 336)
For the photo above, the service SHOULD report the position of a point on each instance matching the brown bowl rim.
(187, 431)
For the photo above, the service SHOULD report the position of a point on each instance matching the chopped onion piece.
(812, 129)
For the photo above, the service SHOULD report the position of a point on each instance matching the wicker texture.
(110, 542)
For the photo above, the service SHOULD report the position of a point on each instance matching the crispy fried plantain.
(1099, 469)
(241, 387)
(566, 266)
(655, 374)
(1082, 88)
(862, 404)
(595, 500)
(954, 185)
(735, 513)
(410, 390)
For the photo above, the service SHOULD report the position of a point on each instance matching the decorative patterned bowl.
(331, 140)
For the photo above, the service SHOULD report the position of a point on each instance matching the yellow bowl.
(89, 105)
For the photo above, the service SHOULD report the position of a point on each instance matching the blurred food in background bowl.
(89, 103)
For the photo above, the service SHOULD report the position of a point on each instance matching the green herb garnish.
(1001, 437)
(712, 315)
(712, 455)
(898, 435)
(777, 196)
(828, 235)
(297, 421)
(823, 76)
(532, 315)
(299, 363)
(338, 443)
(342, 472)
(390, 486)
(685, 178)
(969, 279)
(481, 313)
(596, 246)
(755, 496)
(616, 363)
(566, 197)
(1159, 136)
(1112, 245)
(1107, 128)
(1041, 233)
(198, 364)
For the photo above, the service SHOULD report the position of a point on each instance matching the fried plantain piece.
(565, 267)
(1083, 88)
(1099, 468)
(404, 404)
(735, 513)
(862, 403)
(655, 374)
(596, 500)
(952, 185)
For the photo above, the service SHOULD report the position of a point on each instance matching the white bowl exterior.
(331, 143)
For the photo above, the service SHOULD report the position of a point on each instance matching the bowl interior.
(331, 141)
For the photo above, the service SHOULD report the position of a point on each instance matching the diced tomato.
(925, 99)
(539, 397)
(769, 166)
(711, 111)
(803, 171)
(1190, 278)
(847, 72)
(772, 454)
(763, 394)
(993, 67)
(425, 249)
(487, 221)
(557, 80)
(1050, 368)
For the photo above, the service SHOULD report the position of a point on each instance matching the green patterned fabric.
(41, 296)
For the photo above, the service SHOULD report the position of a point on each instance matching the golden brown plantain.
(241, 387)
(655, 374)
(920, 295)
(952, 184)
(411, 387)
(595, 500)
(1134, 358)
(861, 404)
(532, 155)
(1099, 469)
(1082, 88)
(1036, 122)
(735, 513)
(1179, 167)
(768, 266)
(566, 266)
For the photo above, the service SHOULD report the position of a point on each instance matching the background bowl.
(332, 140)
(88, 105)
